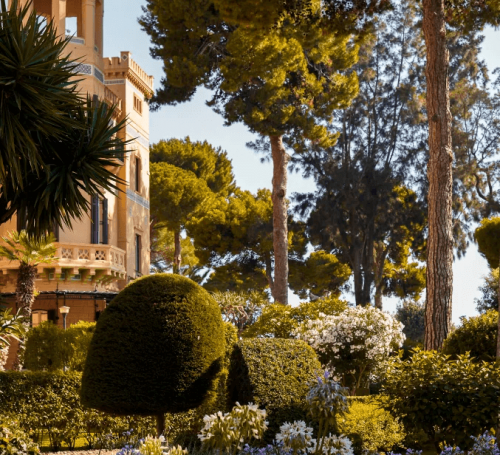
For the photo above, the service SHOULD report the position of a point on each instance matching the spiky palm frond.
(35, 90)
(29, 249)
(79, 163)
(55, 148)
(12, 326)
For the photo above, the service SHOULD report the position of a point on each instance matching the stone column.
(88, 15)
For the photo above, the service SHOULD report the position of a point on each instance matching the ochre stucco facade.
(91, 268)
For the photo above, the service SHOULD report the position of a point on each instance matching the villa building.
(105, 250)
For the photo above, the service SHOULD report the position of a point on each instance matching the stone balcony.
(89, 261)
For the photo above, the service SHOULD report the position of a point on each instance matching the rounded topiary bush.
(157, 348)
(275, 374)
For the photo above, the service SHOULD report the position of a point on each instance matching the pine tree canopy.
(280, 75)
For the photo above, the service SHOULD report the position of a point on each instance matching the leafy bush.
(411, 314)
(273, 374)
(50, 348)
(354, 344)
(14, 441)
(49, 404)
(281, 321)
(371, 428)
(157, 348)
(446, 399)
(477, 335)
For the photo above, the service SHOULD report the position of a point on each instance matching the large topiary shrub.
(273, 373)
(157, 348)
(476, 335)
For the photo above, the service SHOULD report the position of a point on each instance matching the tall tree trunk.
(269, 274)
(25, 297)
(160, 424)
(439, 173)
(378, 266)
(177, 252)
(280, 219)
(358, 277)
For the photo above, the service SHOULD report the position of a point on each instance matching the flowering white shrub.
(226, 432)
(332, 445)
(296, 436)
(354, 344)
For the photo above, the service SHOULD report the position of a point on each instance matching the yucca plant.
(54, 145)
(12, 326)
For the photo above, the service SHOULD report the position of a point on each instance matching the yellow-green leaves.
(487, 236)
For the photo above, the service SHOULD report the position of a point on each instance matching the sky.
(194, 119)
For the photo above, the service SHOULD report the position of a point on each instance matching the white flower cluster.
(333, 445)
(296, 436)
(362, 337)
(4, 354)
(223, 431)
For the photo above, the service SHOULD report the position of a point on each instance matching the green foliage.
(175, 195)
(14, 441)
(242, 309)
(28, 249)
(280, 321)
(55, 147)
(157, 348)
(274, 374)
(371, 428)
(476, 335)
(50, 348)
(48, 404)
(411, 314)
(489, 293)
(206, 162)
(11, 326)
(45, 348)
(487, 236)
(448, 400)
(321, 274)
(277, 80)
(235, 236)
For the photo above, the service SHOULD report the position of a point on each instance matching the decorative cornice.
(139, 83)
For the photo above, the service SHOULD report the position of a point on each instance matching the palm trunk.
(177, 252)
(25, 297)
(280, 219)
(439, 172)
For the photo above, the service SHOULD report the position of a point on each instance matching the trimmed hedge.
(273, 373)
(476, 335)
(157, 348)
(49, 404)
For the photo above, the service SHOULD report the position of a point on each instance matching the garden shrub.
(14, 441)
(354, 345)
(371, 428)
(449, 400)
(156, 348)
(49, 404)
(476, 335)
(281, 321)
(275, 374)
(50, 348)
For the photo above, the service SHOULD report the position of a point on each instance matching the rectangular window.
(138, 254)
(137, 104)
(138, 175)
(99, 228)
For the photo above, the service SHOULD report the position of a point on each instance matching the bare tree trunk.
(269, 274)
(160, 424)
(358, 278)
(280, 219)
(177, 252)
(25, 297)
(439, 173)
(378, 267)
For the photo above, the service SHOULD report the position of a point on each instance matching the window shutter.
(95, 220)
(105, 228)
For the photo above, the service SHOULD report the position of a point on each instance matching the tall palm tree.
(29, 251)
(54, 145)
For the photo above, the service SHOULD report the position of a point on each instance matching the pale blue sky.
(195, 119)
